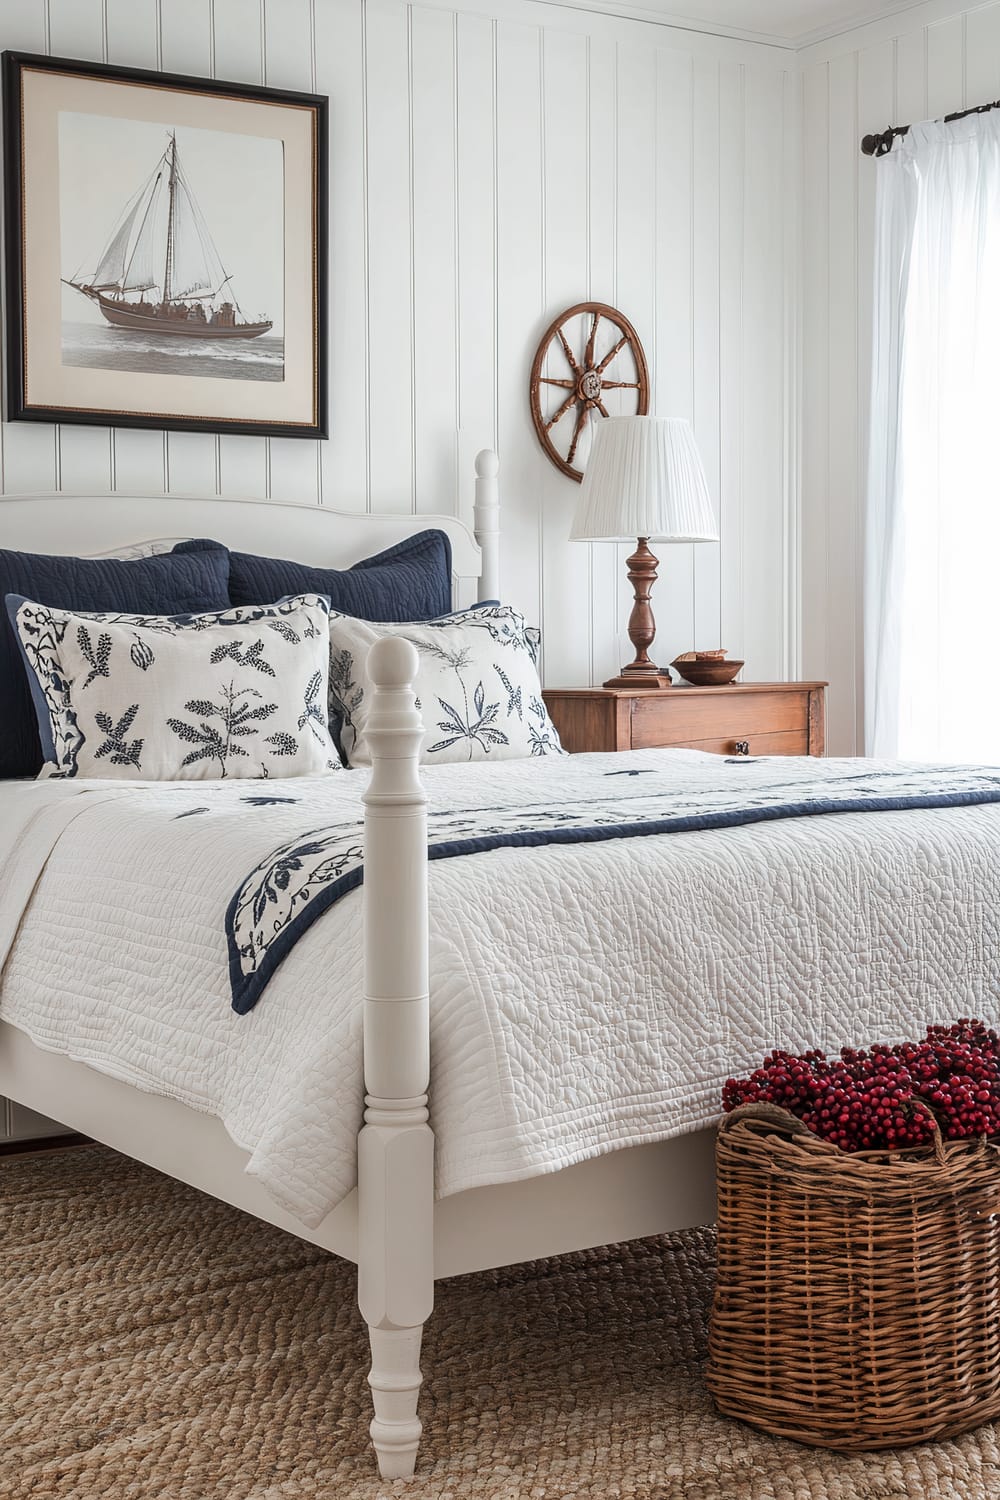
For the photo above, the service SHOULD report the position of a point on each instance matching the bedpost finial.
(393, 662)
(487, 464)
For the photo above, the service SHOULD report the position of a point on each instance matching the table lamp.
(644, 479)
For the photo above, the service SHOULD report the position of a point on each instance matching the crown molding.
(859, 28)
(676, 21)
(854, 36)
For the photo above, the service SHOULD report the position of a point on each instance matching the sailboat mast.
(170, 218)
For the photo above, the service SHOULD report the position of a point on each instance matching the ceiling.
(786, 22)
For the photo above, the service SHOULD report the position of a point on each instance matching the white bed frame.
(390, 1226)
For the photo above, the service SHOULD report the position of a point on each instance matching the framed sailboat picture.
(165, 250)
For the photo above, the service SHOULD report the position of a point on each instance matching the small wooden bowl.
(707, 673)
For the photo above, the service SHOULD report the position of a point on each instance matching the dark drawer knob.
(741, 747)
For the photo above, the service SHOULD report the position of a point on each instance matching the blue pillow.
(174, 583)
(410, 581)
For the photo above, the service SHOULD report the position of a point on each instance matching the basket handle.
(773, 1114)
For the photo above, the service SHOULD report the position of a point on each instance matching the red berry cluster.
(878, 1099)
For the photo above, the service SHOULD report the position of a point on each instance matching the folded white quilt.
(585, 997)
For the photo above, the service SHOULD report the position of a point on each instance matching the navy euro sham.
(409, 581)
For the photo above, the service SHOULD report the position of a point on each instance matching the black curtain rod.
(881, 145)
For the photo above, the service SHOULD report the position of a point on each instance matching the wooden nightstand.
(748, 718)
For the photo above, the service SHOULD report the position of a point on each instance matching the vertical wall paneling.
(601, 195)
(186, 46)
(671, 334)
(911, 77)
(288, 43)
(434, 328)
(732, 178)
(791, 524)
(344, 457)
(843, 520)
(82, 455)
(133, 40)
(946, 66)
(636, 262)
(816, 374)
(132, 33)
(26, 458)
(237, 50)
(761, 544)
(875, 87)
(520, 310)
(706, 262)
(390, 287)
(237, 37)
(76, 29)
(185, 37)
(475, 247)
(290, 63)
(982, 55)
(566, 630)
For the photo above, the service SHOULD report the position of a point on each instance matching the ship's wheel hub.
(590, 385)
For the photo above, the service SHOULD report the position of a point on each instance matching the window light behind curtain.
(932, 606)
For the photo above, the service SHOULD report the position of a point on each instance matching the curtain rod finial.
(881, 143)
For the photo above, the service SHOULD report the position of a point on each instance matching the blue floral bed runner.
(582, 799)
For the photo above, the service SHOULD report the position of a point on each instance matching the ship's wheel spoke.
(581, 422)
(567, 385)
(588, 358)
(619, 385)
(569, 353)
(570, 401)
(601, 407)
(611, 354)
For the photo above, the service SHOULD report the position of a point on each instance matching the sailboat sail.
(196, 268)
(162, 243)
(111, 266)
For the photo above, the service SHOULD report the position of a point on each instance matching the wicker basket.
(857, 1299)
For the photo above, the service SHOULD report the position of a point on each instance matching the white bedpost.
(396, 1145)
(487, 516)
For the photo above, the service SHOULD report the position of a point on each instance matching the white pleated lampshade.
(644, 477)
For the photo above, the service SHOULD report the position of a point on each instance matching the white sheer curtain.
(932, 592)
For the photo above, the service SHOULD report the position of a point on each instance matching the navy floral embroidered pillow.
(230, 693)
(179, 583)
(477, 686)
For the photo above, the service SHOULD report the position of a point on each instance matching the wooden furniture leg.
(396, 1145)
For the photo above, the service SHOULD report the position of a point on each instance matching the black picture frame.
(18, 332)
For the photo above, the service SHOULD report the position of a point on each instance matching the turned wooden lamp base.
(641, 673)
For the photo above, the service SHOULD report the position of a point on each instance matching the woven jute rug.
(156, 1345)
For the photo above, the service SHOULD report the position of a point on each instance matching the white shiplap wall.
(491, 164)
(924, 63)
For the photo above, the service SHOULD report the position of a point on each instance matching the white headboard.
(88, 525)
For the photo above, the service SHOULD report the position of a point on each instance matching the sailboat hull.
(123, 316)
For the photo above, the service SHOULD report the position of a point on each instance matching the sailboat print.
(160, 271)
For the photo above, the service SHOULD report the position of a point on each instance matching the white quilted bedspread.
(584, 997)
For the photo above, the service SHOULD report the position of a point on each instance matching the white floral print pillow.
(236, 692)
(477, 686)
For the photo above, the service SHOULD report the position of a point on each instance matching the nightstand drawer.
(673, 718)
(791, 742)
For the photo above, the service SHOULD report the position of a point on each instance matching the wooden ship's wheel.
(568, 388)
